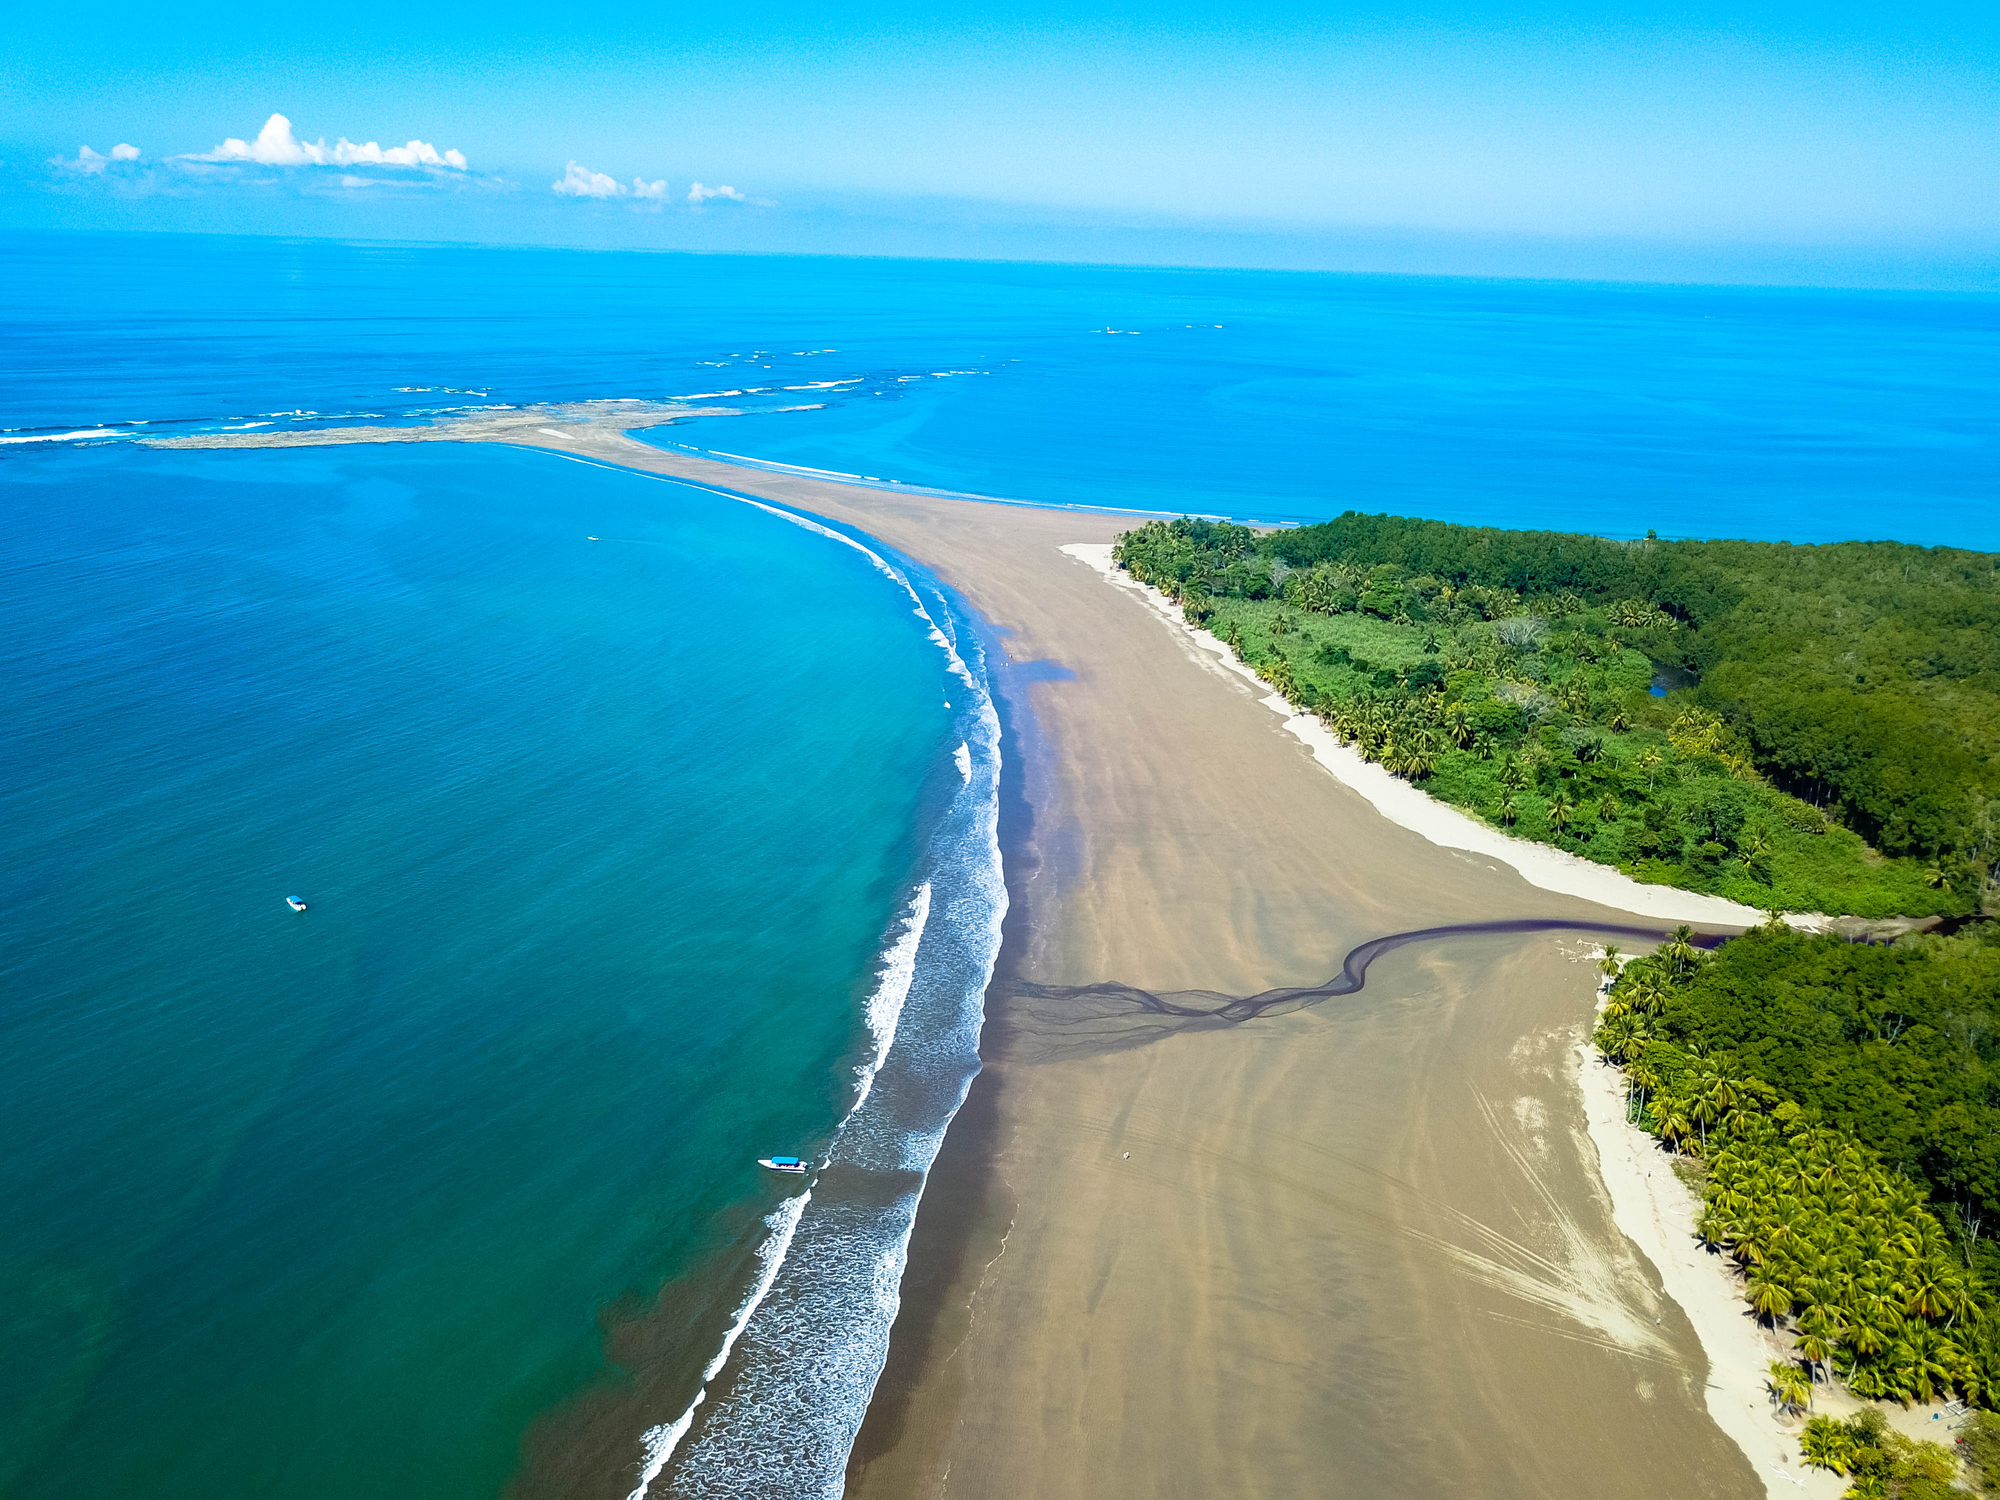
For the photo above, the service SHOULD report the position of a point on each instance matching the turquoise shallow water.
(601, 843)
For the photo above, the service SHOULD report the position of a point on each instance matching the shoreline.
(1656, 1211)
(1542, 865)
(1022, 1363)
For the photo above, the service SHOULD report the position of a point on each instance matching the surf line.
(884, 1008)
(882, 564)
(660, 1442)
(883, 1011)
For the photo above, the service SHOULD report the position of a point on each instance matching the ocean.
(1778, 414)
(625, 859)
(645, 832)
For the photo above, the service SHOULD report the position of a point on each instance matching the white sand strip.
(1403, 804)
(1656, 1211)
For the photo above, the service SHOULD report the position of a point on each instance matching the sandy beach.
(1362, 1248)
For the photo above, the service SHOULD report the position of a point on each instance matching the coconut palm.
(1753, 850)
(1559, 811)
(1791, 1388)
(1458, 723)
(1828, 1444)
(1649, 994)
(1681, 951)
(1770, 1298)
(1674, 1124)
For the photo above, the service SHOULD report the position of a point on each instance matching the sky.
(1723, 139)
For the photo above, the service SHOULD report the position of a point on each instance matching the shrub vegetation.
(1730, 717)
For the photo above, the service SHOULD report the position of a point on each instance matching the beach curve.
(1293, 1237)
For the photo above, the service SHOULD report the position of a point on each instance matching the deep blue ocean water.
(626, 858)
(1779, 414)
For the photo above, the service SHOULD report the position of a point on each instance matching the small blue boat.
(295, 903)
(790, 1164)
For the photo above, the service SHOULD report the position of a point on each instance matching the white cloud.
(276, 146)
(657, 191)
(87, 160)
(699, 194)
(578, 181)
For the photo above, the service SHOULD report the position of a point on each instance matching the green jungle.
(1794, 728)
(1836, 1105)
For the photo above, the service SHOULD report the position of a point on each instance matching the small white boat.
(790, 1164)
(295, 903)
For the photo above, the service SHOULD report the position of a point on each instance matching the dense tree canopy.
(1899, 1046)
(1862, 678)
(1840, 1099)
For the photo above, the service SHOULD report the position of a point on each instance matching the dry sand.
(1361, 1249)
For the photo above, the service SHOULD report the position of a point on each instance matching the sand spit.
(1358, 1250)
(588, 423)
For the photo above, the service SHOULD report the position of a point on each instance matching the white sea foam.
(659, 1442)
(811, 1338)
(892, 989)
(772, 463)
(64, 437)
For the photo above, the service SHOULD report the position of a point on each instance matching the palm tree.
(1458, 721)
(1611, 963)
(1675, 1126)
(1769, 1297)
(1608, 809)
(1649, 995)
(1681, 951)
(1865, 1336)
(1791, 1388)
(1512, 777)
(1559, 811)
(1933, 1361)
(1507, 809)
(1649, 762)
(1703, 1111)
(1754, 849)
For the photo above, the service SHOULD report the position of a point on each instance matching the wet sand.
(1358, 1249)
